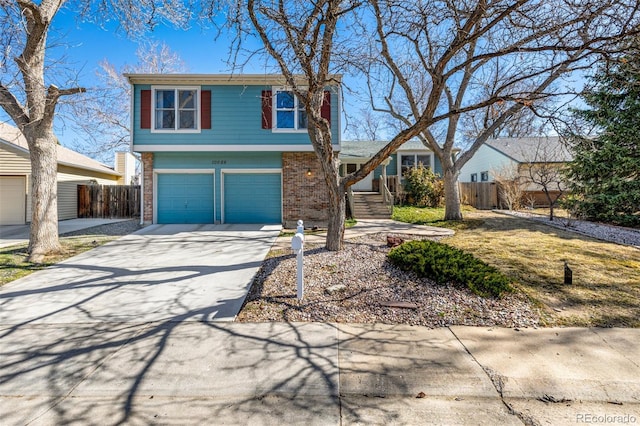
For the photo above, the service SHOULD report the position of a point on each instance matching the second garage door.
(185, 198)
(252, 198)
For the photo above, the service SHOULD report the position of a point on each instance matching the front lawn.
(431, 216)
(606, 276)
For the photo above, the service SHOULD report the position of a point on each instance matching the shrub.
(445, 264)
(423, 187)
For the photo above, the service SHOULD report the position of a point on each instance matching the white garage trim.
(246, 171)
(156, 172)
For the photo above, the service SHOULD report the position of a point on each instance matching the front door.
(366, 184)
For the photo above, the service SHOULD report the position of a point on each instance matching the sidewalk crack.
(498, 382)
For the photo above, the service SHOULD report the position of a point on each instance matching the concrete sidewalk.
(17, 234)
(370, 226)
(316, 374)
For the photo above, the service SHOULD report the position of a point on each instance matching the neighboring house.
(228, 149)
(519, 155)
(125, 164)
(355, 153)
(15, 178)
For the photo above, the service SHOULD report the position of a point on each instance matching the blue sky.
(86, 45)
(89, 44)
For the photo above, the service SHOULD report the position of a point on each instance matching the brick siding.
(147, 193)
(303, 197)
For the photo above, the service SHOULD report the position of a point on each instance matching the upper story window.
(175, 109)
(484, 176)
(474, 177)
(282, 111)
(289, 112)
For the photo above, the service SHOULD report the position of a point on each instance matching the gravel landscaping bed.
(611, 233)
(359, 285)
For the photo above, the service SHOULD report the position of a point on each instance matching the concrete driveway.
(160, 273)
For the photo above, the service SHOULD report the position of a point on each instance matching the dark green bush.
(445, 264)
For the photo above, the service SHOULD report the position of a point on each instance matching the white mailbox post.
(297, 244)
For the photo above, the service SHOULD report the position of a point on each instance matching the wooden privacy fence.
(112, 201)
(481, 195)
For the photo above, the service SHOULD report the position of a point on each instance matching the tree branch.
(13, 107)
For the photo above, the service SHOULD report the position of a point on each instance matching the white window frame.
(296, 111)
(154, 89)
(414, 154)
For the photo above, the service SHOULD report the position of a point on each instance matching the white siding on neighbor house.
(486, 159)
(68, 180)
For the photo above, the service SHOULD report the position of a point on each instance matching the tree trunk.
(43, 238)
(337, 215)
(452, 210)
(551, 204)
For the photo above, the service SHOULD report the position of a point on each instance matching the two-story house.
(228, 149)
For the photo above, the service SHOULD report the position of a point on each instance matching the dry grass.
(606, 276)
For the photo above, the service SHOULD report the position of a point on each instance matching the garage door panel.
(253, 198)
(12, 200)
(185, 198)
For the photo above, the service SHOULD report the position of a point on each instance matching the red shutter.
(205, 109)
(145, 109)
(267, 117)
(325, 110)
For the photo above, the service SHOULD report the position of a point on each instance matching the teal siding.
(392, 168)
(185, 198)
(236, 114)
(252, 198)
(217, 161)
(437, 166)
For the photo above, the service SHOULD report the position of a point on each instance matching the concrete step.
(369, 205)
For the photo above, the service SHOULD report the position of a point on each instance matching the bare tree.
(26, 26)
(544, 169)
(510, 185)
(487, 55)
(434, 54)
(366, 126)
(30, 99)
(303, 39)
(102, 116)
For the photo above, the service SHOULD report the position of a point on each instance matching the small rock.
(394, 241)
(335, 288)
(421, 395)
(394, 304)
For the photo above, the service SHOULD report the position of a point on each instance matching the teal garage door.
(252, 198)
(185, 198)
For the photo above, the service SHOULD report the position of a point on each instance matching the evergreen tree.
(604, 177)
